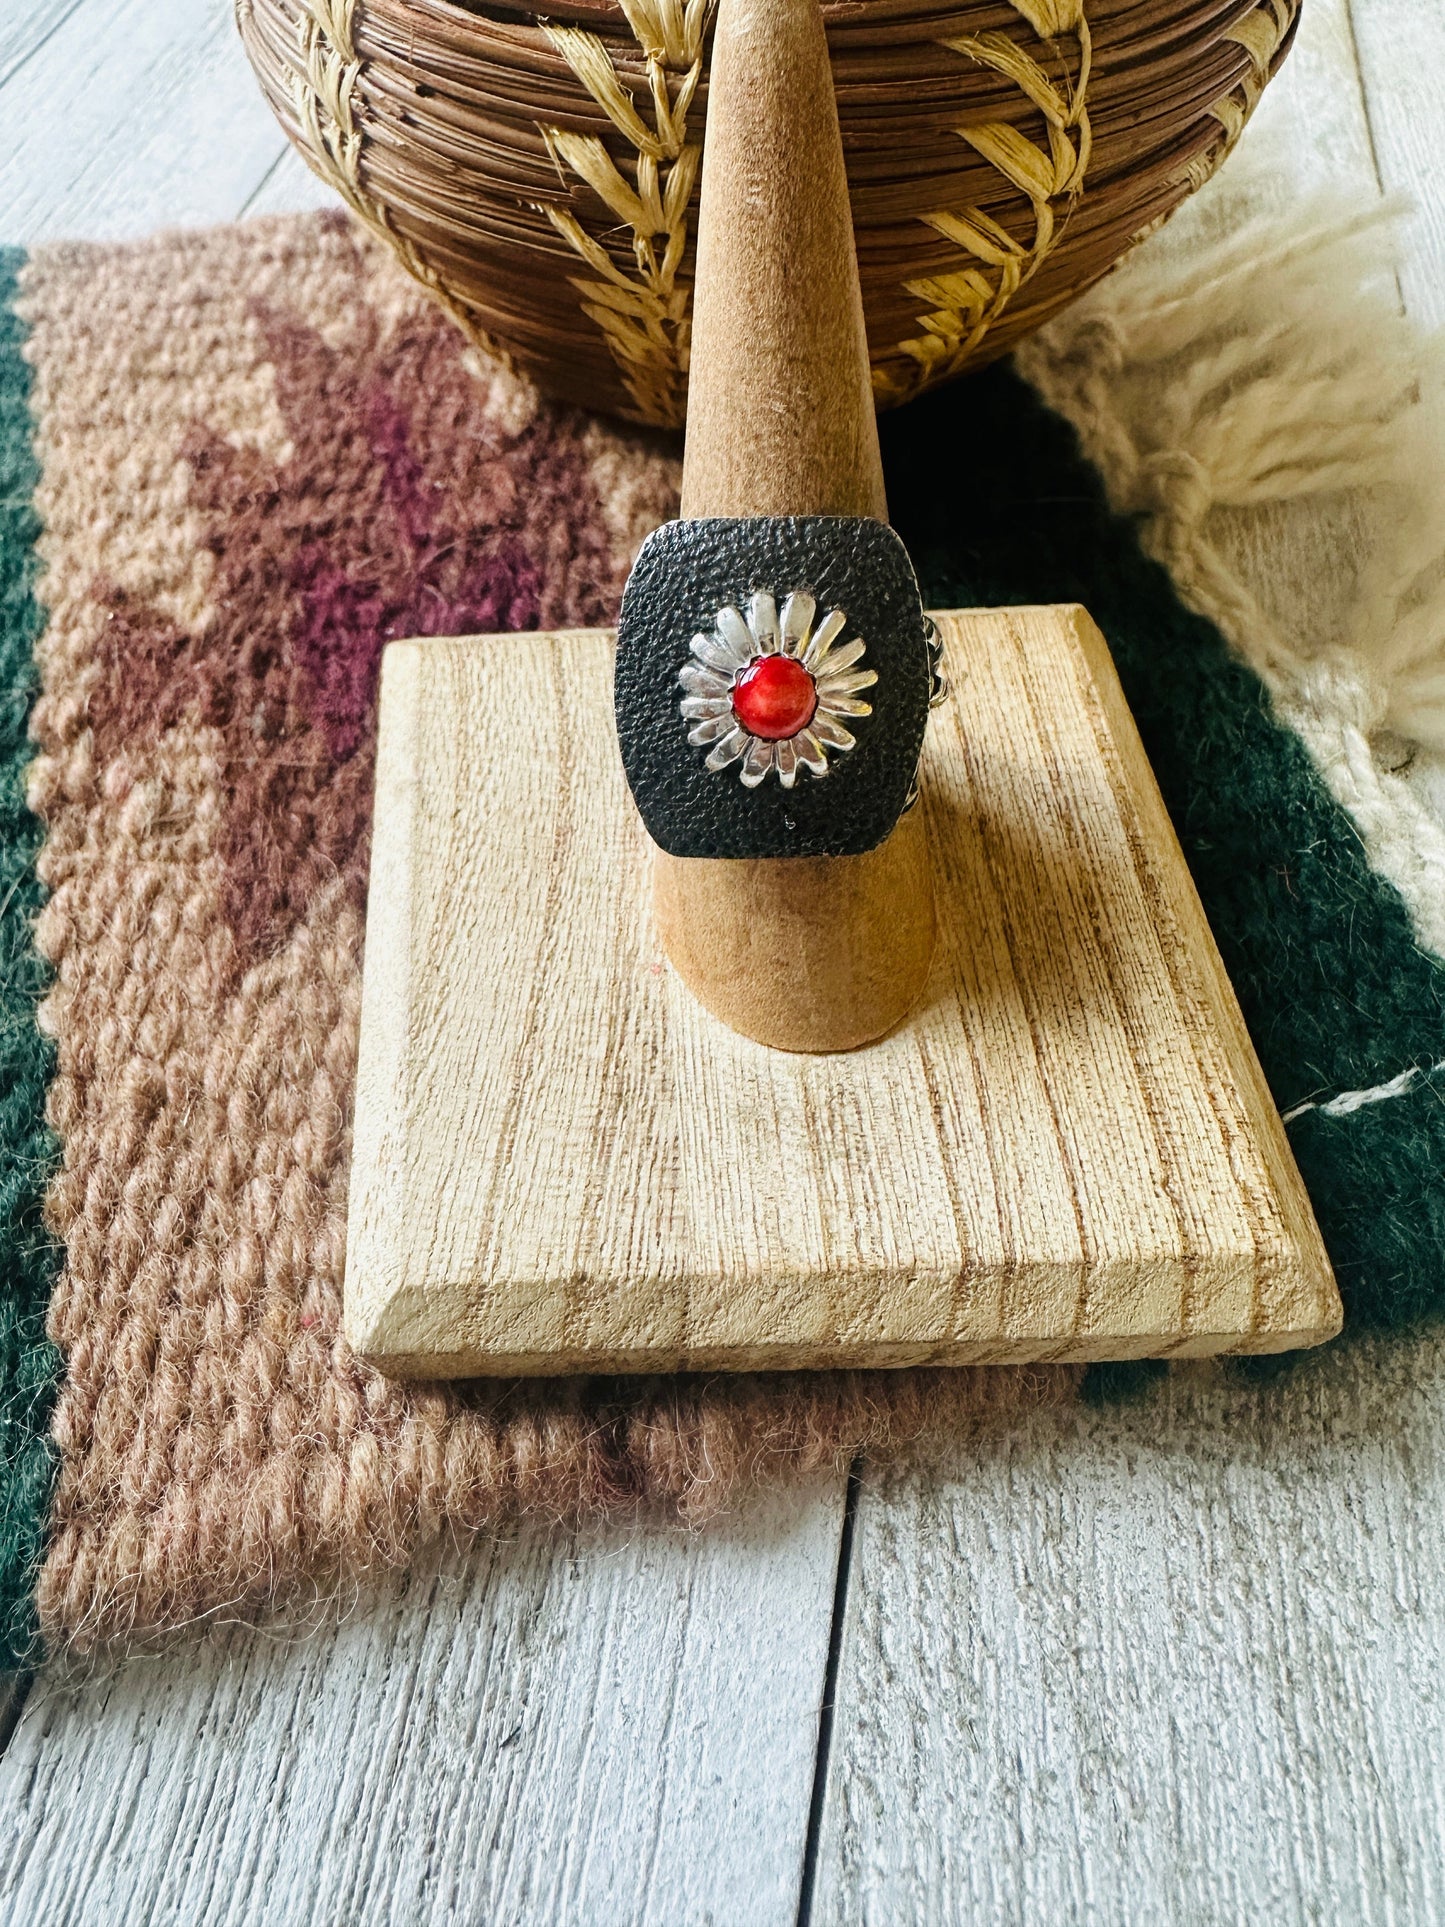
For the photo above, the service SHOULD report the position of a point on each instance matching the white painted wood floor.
(1182, 1663)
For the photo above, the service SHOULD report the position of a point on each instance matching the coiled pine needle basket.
(539, 173)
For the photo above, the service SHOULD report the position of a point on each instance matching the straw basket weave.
(539, 173)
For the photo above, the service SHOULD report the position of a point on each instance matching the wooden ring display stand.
(1058, 1145)
(807, 953)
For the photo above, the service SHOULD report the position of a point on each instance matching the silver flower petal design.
(763, 621)
(797, 620)
(757, 762)
(838, 659)
(734, 633)
(698, 681)
(831, 732)
(811, 753)
(709, 729)
(715, 700)
(815, 653)
(716, 653)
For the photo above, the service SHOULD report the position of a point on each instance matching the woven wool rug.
(232, 466)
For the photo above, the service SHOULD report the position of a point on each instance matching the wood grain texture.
(1179, 1662)
(119, 118)
(563, 1163)
(287, 187)
(613, 1727)
(1401, 50)
(25, 29)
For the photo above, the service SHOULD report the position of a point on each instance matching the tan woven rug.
(248, 459)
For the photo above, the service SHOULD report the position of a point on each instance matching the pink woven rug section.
(264, 455)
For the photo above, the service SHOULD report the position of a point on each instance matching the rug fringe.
(1248, 384)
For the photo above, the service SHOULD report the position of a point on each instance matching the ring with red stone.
(757, 657)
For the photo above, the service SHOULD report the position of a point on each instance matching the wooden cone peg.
(780, 417)
(805, 953)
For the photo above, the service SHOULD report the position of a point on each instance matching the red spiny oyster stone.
(774, 698)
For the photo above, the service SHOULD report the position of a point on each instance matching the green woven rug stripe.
(994, 499)
(29, 1365)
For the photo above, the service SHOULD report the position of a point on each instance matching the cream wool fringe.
(1248, 385)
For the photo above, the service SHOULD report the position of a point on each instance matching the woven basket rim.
(537, 170)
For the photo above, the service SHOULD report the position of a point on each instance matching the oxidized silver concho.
(771, 691)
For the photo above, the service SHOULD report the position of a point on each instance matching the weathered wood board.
(1181, 1662)
(563, 1163)
(126, 117)
(1400, 45)
(615, 1725)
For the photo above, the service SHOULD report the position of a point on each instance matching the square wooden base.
(563, 1164)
